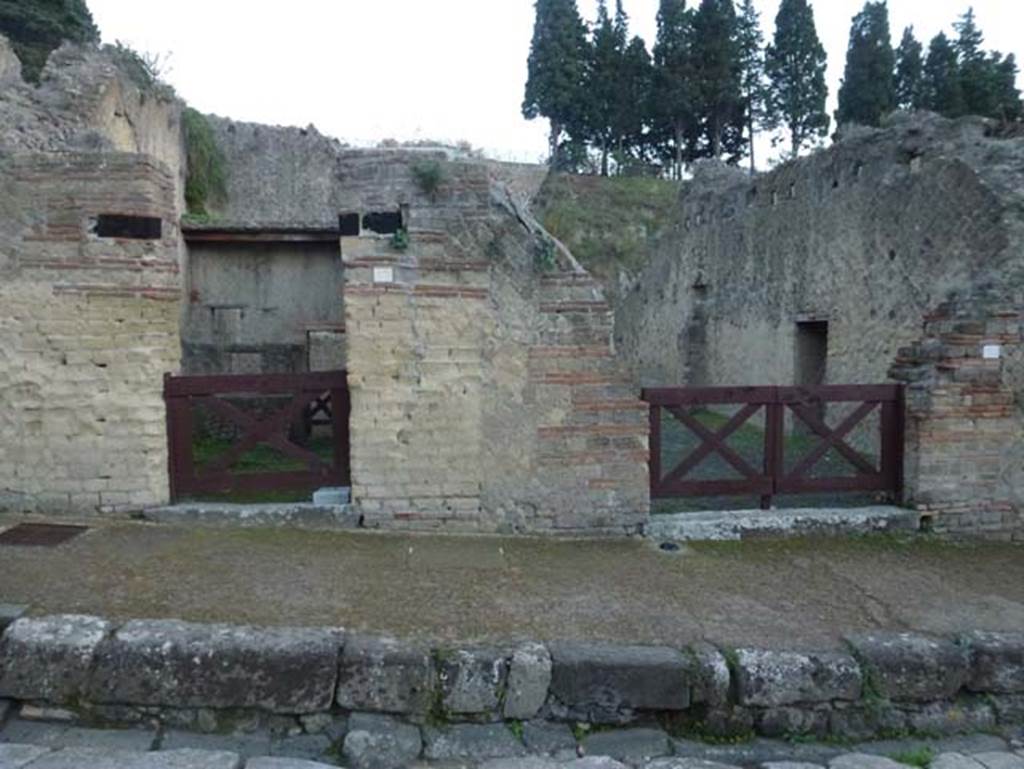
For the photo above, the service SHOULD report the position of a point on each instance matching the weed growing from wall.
(206, 183)
(429, 176)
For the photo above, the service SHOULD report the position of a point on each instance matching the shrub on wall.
(37, 28)
(206, 183)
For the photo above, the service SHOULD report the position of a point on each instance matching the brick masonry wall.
(485, 395)
(965, 447)
(88, 326)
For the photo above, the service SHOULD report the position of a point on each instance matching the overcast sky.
(367, 70)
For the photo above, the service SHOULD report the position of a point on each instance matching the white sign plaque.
(992, 352)
(383, 274)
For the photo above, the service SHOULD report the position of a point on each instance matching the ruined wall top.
(298, 177)
(86, 102)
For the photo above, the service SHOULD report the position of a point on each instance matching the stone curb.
(166, 668)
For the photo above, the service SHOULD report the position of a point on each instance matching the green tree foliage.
(674, 94)
(557, 70)
(750, 45)
(1007, 102)
(943, 90)
(716, 67)
(37, 27)
(909, 71)
(602, 93)
(795, 64)
(632, 115)
(868, 91)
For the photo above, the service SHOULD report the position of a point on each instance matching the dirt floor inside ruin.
(804, 593)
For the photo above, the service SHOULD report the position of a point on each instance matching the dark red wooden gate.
(771, 476)
(300, 402)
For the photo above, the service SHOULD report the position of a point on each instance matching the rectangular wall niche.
(128, 227)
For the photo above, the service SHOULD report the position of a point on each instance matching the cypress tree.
(795, 64)
(37, 27)
(977, 81)
(1007, 102)
(717, 74)
(635, 84)
(674, 97)
(943, 90)
(909, 71)
(750, 42)
(557, 69)
(603, 92)
(868, 90)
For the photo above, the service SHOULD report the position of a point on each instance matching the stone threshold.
(733, 525)
(293, 515)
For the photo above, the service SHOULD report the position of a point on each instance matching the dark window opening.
(349, 225)
(129, 227)
(383, 222)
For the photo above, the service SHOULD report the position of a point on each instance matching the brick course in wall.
(88, 326)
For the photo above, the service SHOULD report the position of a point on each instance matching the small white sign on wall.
(992, 352)
(383, 274)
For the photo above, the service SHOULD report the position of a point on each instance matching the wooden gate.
(278, 413)
(786, 464)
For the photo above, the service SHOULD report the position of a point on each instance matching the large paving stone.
(997, 662)
(470, 742)
(685, 762)
(383, 675)
(48, 658)
(999, 760)
(87, 758)
(180, 664)
(524, 762)
(594, 762)
(790, 765)
(954, 761)
(245, 745)
(285, 763)
(864, 761)
(604, 683)
(16, 756)
(473, 681)
(774, 678)
(631, 746)
(529, 677)
(67, 736)
(380, 742)
(909, 667)
(758, 751)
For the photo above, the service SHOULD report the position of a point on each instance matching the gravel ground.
(798, 593)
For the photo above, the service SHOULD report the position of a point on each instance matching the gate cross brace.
(269, 432)
(833, 438)
(714, 442)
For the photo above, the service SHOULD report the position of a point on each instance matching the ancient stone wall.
(870, 237)
(88, 327)
(260, 307)
(483, 387)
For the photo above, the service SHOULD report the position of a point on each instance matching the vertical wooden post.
(179, 435)
(654, 463)
(341, 408)
(774, 444)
